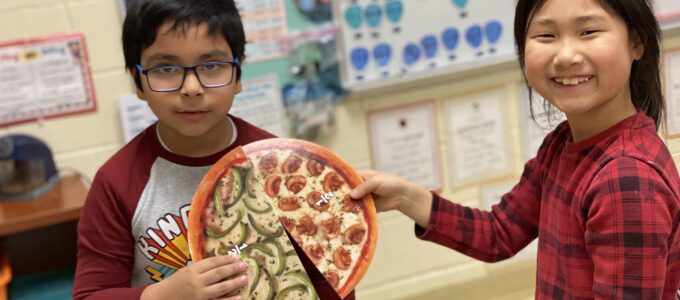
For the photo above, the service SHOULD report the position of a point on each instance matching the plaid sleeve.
(489, 236)
(628, 215)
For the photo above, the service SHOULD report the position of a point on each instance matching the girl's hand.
(202, 280)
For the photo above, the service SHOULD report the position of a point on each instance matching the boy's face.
(192, 113)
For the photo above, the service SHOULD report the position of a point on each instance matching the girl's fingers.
(367, 187)
(221, 272)
(225, 287)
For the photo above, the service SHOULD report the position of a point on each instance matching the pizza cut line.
(295, 185)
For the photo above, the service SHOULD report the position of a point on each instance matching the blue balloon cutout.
(411, 54)
(373, 14)
(450, 37)
(474, 36)
(460, 3)
(353, 16)
(359, 58)
(395, 10)
(493, 31)
(430, 45)
(382, 54)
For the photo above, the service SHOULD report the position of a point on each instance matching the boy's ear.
(138, 90)
(638, 46)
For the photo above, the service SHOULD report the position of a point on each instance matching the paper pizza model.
(250, 195)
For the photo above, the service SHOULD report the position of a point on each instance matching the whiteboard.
(390, 39)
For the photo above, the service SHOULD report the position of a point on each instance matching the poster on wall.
(264, 22)
(534, 129)
(45, 77)
(672, 77)
(403, 142)
(667, 10)
(390, 40)
(477, 140)
(260, 104)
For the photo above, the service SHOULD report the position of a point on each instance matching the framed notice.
(477, 141)
(44, 77)
(534, 129)
(264, 22)
(260, 104)
(404, 142)
(667, 10)
(672, 77)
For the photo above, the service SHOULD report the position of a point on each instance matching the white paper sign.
(404, 143)
(264, 22)
(672, 76)
(135, 116)
(476, 131)
(260, 104)
(44, 78)
(547, 118)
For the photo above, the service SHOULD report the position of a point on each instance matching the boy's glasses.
(171, 78)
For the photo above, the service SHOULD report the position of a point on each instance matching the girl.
(602, 194)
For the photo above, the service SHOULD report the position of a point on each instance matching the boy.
(184, 57)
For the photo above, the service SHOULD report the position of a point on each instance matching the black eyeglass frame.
(234, 64)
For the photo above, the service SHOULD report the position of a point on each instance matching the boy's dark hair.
(145, 17)
(645, 81)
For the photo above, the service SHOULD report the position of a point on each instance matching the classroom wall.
(403, 267)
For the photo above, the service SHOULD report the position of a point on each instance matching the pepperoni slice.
(314, 201)
(314, 252)
(342, 258)
(332, 277)
(306, 226)
(331, 226)
(272, 185)
(314, 167)
(332, 182)
(287, 223)
(269, 162)
(289, 204)
(296, 183)
(348, 205)
(354, 234)
(292, 164)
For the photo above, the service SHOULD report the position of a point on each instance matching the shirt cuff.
(425, 233)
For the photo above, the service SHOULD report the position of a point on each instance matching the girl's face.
(578, 57)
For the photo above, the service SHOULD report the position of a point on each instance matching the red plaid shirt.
(606, 212)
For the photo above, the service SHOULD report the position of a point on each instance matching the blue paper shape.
(307, 5)
(430, 45)
(382, 53)
(450, 38)
(353, 16)
(493, 31)
(373, 15)
(359, 58)
(411, 54)
(473, 36)
(395, 10)
(460, 3)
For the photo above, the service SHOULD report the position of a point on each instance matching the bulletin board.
(44, 77)
(398, 39)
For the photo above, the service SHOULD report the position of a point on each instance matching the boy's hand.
(393, 192)
(201, 280)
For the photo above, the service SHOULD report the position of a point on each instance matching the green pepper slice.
(280, 256)
(302, 277)
(217, 235)
(238, 184)
(264, 231)
(293, 288)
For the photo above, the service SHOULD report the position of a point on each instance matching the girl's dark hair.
(645, 81)
(145, 17)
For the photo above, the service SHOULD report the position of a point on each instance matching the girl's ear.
(638, 46)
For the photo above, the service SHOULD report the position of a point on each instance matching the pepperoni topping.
(314, 200)
(272, 185)
(289, 204)
(331, 226)
(342, 258)
(298, 240)
(332, 277)
(287, 223)
(332, 182)
(306, 226)
(348, 205)
(314, 252)
(292, 164)
(269, 162)
(354, 234)
(296, 183)
(315, 167)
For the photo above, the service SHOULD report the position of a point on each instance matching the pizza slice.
(309, 187)
(227, 218)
